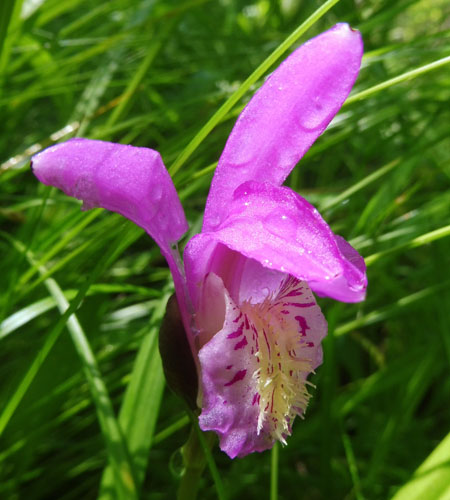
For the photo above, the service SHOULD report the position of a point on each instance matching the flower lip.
(254, 369)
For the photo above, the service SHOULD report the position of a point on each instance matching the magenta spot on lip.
(238, 318)
(229, 367)
(294, 293)
(295, 304)
(242, 343)
(303, 324)
(267, 342)
(239, 375)
(236, 333)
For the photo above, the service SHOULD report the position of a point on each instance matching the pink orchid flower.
(245, 290)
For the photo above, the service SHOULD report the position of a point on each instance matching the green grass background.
(84, 412)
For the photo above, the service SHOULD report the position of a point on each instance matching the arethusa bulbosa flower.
(245, 288)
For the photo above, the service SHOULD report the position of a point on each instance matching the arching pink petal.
(281, 230)
(125, 179)
(286, 116)
(128, 180)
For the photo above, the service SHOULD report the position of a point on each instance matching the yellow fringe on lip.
(283, 362)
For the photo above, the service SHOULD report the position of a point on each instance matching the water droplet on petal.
(282, 225)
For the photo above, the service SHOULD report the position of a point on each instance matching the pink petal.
(281, 230)
(198, 259)
(125, 179)
(286, 116)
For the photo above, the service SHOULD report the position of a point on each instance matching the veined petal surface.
(254, 370)
(286, 115)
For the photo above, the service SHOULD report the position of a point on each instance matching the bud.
(178, 364)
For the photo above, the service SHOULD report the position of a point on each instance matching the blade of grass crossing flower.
(432, 479)
(398, 79)
(274, 457)
(254, 77)
(140, 407)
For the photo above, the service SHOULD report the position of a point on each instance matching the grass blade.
(432, 479)
(117, 451)
(140, 407)
(414, 73)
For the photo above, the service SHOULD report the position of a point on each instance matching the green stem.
(194, 460)
(274, 471)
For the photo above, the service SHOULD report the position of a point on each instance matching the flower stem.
(274, 471)
(194, 459)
